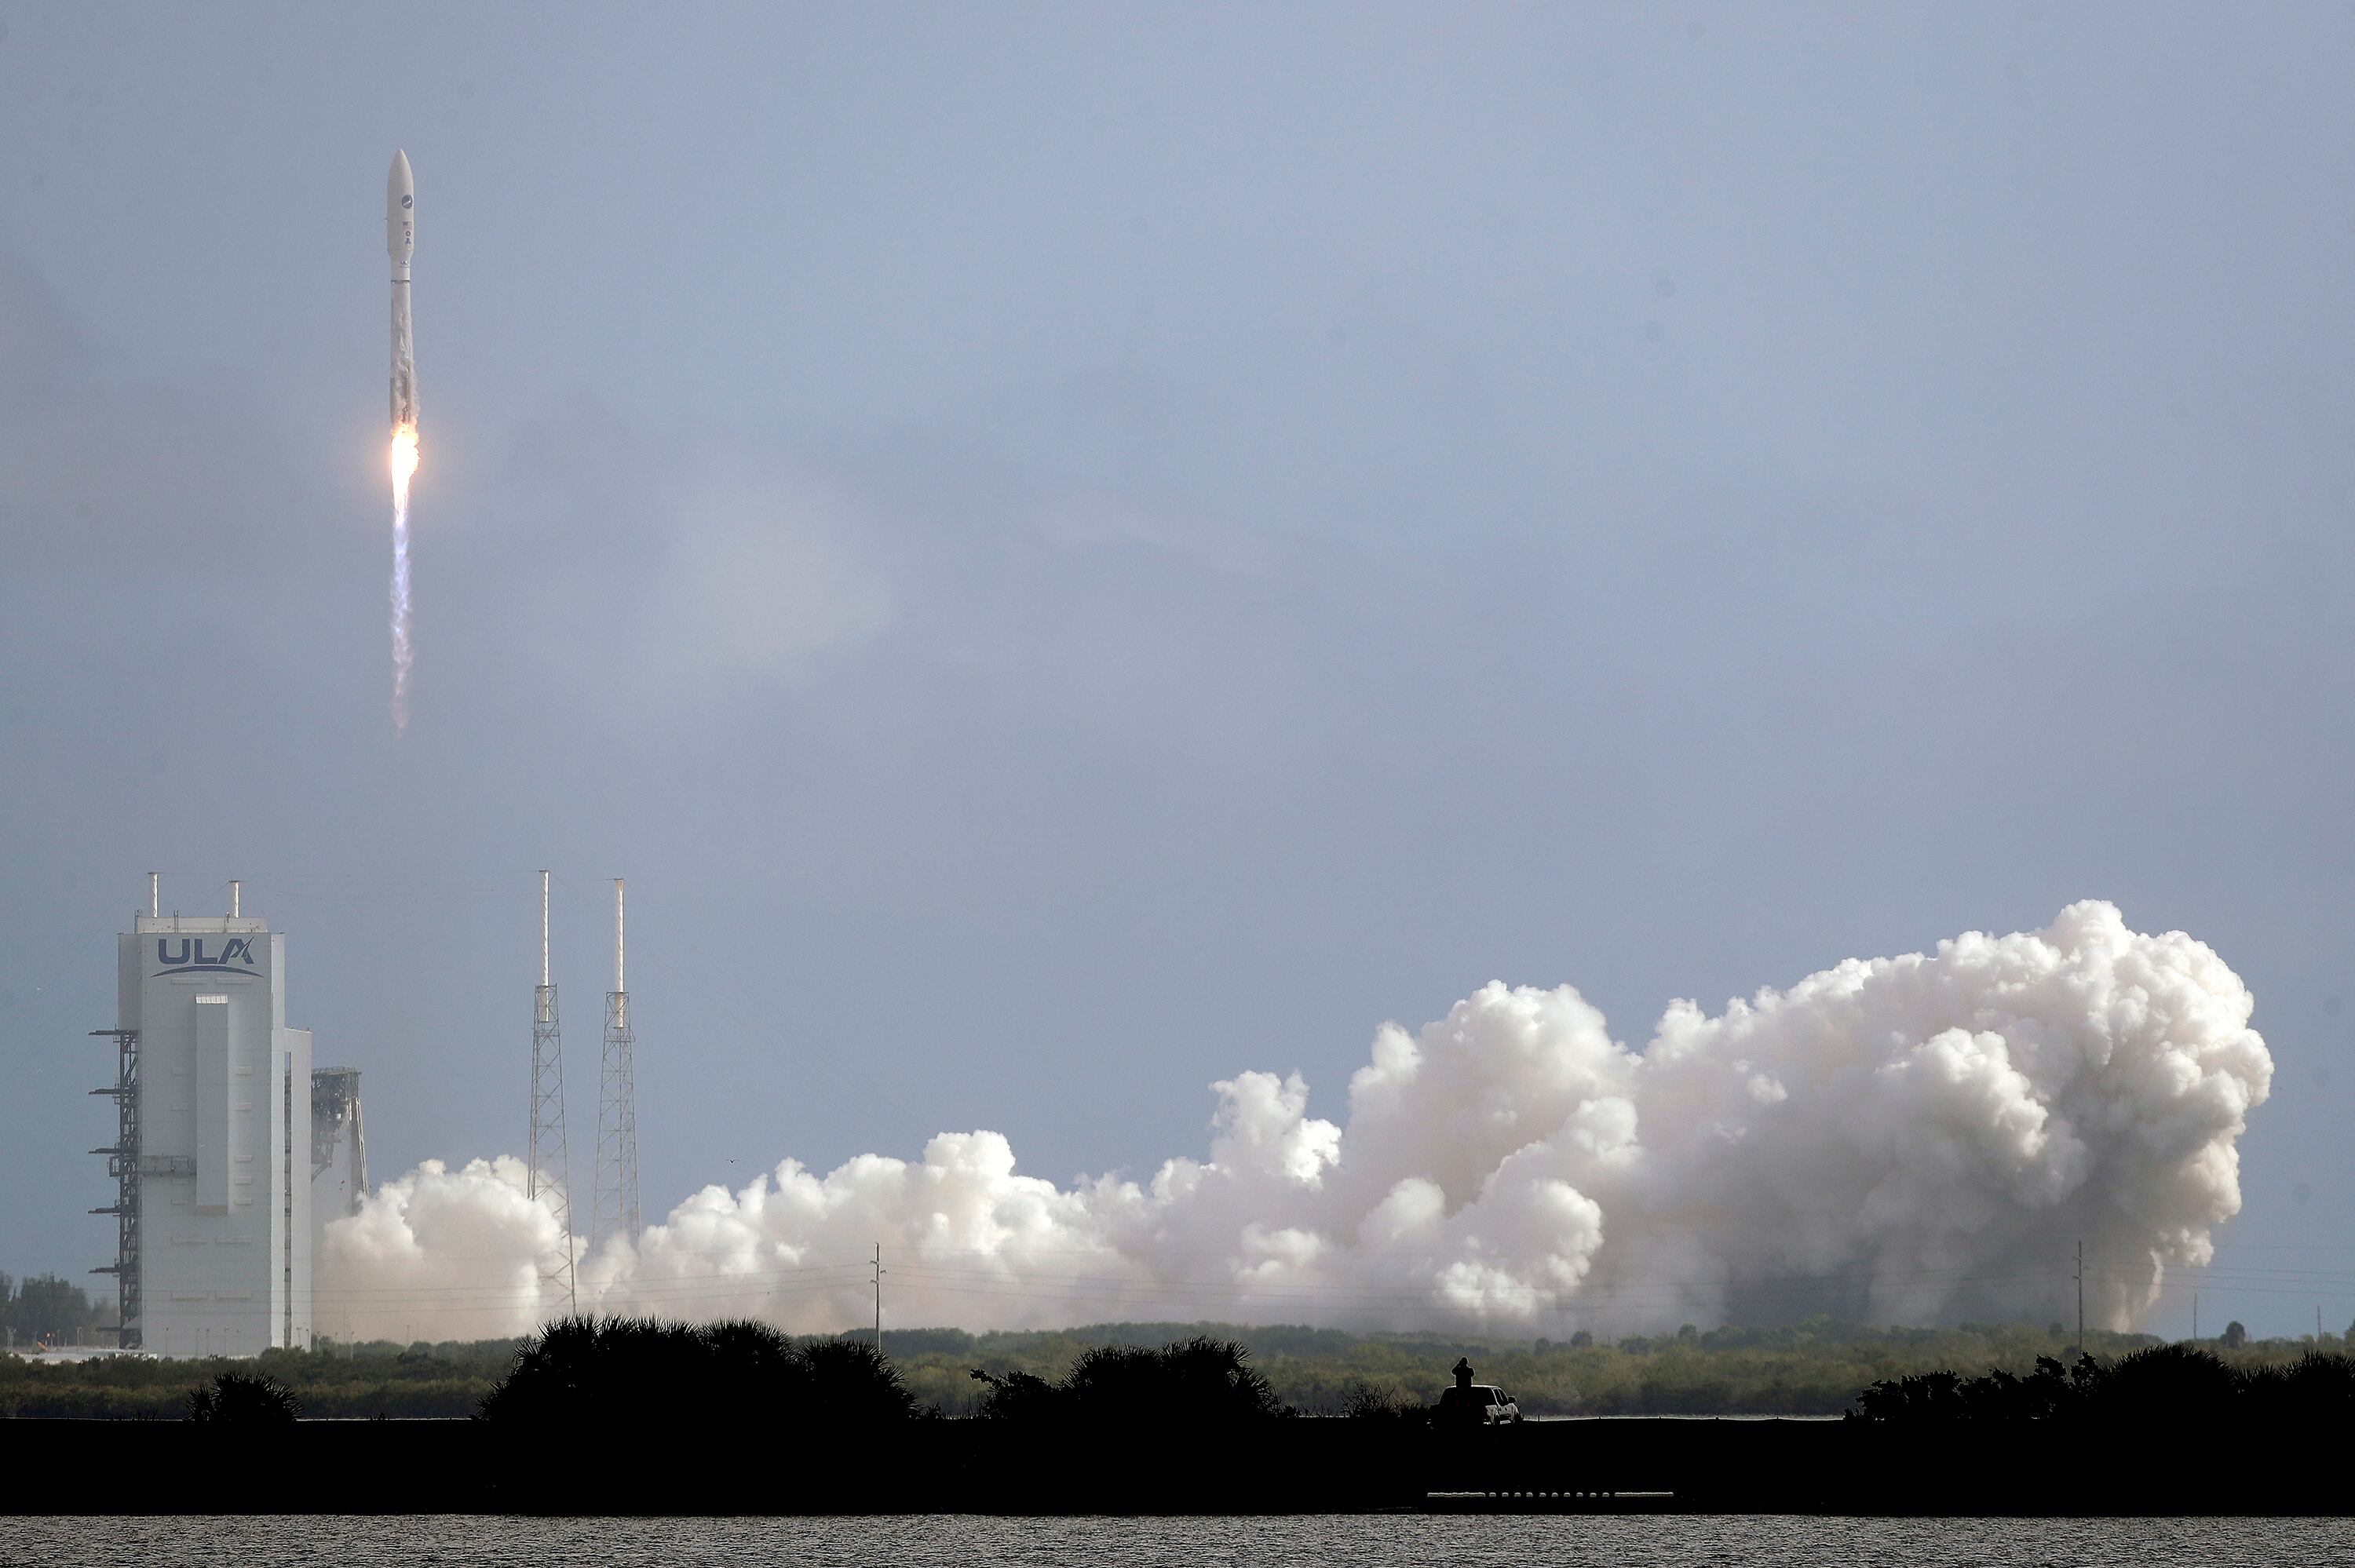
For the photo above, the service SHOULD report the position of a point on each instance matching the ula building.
(218, 1139)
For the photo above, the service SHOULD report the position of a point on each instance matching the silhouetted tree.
(244, 1399)
(850, 1382)
(607, 1371)
(635, 1372)
(1018, 1397)
(2164, 1385)
(2236, 1336)
(1189, 1385)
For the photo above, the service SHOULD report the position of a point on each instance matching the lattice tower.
(615, 1205)
(551, 1179)
(122, 1164)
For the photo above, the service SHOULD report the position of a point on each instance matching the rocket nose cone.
(399, 215)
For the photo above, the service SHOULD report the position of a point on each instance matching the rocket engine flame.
(399, 243)
(402, 461)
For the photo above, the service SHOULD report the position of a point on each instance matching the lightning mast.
(615, 1205)
(550, 1179)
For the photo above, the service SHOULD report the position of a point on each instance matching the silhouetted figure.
(1463, 1369)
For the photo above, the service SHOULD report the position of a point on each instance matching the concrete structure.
(218, 1141)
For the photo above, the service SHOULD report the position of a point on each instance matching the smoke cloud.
(1909, 1140)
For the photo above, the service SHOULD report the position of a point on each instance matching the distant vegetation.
(45, 1309)
(334, 1381)
(1815, 1367)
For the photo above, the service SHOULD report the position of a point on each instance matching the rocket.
(400, 239)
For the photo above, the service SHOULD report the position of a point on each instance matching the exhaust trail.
(400, 239)
(404, 464)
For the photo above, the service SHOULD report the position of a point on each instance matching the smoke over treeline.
(1919, 1138)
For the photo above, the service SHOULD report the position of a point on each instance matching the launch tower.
(615, 1205)
(548, 1176)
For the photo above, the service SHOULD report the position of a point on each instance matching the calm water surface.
(965, 1541)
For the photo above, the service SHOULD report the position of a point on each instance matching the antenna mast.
(616, 1203)
(550, 1179)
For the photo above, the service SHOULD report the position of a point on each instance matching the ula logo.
(192, 957)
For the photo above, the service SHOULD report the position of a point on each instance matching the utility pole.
(2080, 1298)
(879, 1299)
(2195, 1316)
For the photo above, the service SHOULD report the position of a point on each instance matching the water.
(970, 1542)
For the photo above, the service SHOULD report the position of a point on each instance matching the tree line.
(46, 1309)
(1815, 1367)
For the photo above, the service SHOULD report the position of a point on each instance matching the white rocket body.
(399, 240)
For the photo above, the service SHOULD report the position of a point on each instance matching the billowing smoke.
(1908, 1140)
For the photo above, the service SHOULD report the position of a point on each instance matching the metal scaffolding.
(336, 1125)
(122, 1164)
(614, 1205)
(550, 1175)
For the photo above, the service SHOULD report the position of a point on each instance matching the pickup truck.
(1479, 1404)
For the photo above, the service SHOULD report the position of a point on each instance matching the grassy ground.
(1812, 1369)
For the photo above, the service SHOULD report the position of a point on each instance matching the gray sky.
(1069, 551)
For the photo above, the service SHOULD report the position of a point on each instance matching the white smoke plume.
(1910, 1139)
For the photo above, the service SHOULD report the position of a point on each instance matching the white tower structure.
(549, 1169)
(615, 1205)
(213, 1161)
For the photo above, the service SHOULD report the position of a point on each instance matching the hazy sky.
(1069, 551)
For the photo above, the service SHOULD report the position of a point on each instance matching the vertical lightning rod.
(550, 1175)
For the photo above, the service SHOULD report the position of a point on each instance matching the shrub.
(1385, 1406)
(635, 1372)
(244, 1399)
(1189, 1385)
(2163, 1385)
